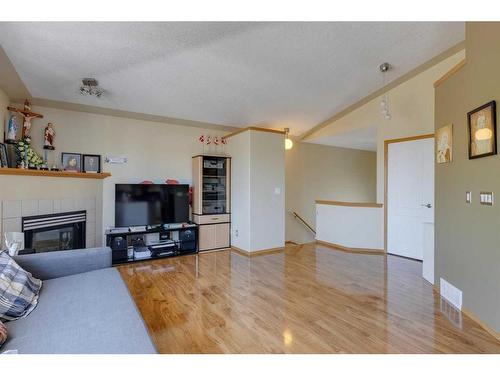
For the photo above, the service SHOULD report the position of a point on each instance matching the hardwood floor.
(305, 299)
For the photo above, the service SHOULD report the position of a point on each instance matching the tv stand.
(152, 242)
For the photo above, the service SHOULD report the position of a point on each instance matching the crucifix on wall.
(27, 116)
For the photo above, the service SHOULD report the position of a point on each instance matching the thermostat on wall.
(116, 159)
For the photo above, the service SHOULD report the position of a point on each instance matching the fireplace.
(63, 231)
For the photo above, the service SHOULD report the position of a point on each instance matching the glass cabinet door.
(214, 185)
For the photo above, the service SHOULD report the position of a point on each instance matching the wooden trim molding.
(485, 326)
(449, 73)
(39, 173)
(359, 250)
(387, 142)
(251, 254)
(256, 128)
(349, 204)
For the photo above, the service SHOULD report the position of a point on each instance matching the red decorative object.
(202, 138)
(169, 181)
(209, 140)
(224, 141)
(147, 182)
(216, 141)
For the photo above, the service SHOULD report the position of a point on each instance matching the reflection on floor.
(305, 299)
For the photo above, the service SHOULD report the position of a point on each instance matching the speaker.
(187, 240)
(119, 248)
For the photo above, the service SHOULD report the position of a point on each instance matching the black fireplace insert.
(62, 231)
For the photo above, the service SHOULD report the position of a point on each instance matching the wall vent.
(451, 293)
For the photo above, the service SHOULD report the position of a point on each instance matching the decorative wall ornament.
(12, 128)
(444, 144)
(28, 116)
(213, 144)
(48, 137)
(482, 131)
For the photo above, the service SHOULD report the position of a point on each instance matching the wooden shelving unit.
(39, 173)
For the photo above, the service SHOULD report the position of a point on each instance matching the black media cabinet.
(123, 243)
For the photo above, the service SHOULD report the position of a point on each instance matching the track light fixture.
(90, 87)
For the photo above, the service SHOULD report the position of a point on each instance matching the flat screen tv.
(141, 204)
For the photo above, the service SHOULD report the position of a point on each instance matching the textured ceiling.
(272, 74)
(360, 139)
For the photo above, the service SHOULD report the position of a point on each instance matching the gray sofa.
(84, 307)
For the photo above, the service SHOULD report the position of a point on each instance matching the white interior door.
(410, 196)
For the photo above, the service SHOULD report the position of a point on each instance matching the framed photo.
(71, 162)
(4, 159)
(444, 144)
(92, 163)
(482, 131)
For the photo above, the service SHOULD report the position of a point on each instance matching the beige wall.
(155, 151)
(467, 242)
(267, 190)
(324, 172)
(239, 149)
(258, 190)
(412, 108)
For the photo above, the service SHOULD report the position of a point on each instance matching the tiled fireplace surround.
(13, 210)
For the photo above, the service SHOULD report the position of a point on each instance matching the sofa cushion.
(90, 312)
(18, 289)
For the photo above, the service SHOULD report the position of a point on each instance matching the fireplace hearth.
(62, 231)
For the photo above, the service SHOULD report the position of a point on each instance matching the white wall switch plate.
(468, 197)
(277, 191)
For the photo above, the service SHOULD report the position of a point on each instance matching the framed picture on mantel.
(482, 124)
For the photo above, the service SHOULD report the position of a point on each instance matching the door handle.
(428, 205)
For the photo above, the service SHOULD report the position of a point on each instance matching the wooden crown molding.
(256, 128)
(419, 69)
(449, 73)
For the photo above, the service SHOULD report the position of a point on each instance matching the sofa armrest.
(54, 264)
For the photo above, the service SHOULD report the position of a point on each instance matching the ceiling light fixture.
(384, 103)
(288, 141)
(90, 87)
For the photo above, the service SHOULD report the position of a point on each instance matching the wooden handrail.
(297, 216)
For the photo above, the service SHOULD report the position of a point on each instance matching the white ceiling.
(272, 74)
(360, 139)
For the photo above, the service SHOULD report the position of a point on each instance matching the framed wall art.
(482, 131)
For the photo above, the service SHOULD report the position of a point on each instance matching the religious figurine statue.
(12, 128)
(28, 116)
(49, 135)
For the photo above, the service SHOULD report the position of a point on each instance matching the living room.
(198, 188)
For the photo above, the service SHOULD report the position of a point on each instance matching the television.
(149, 204)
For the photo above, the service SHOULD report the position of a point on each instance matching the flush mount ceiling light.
(384, 103)
(90, 87)
(288, 141)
